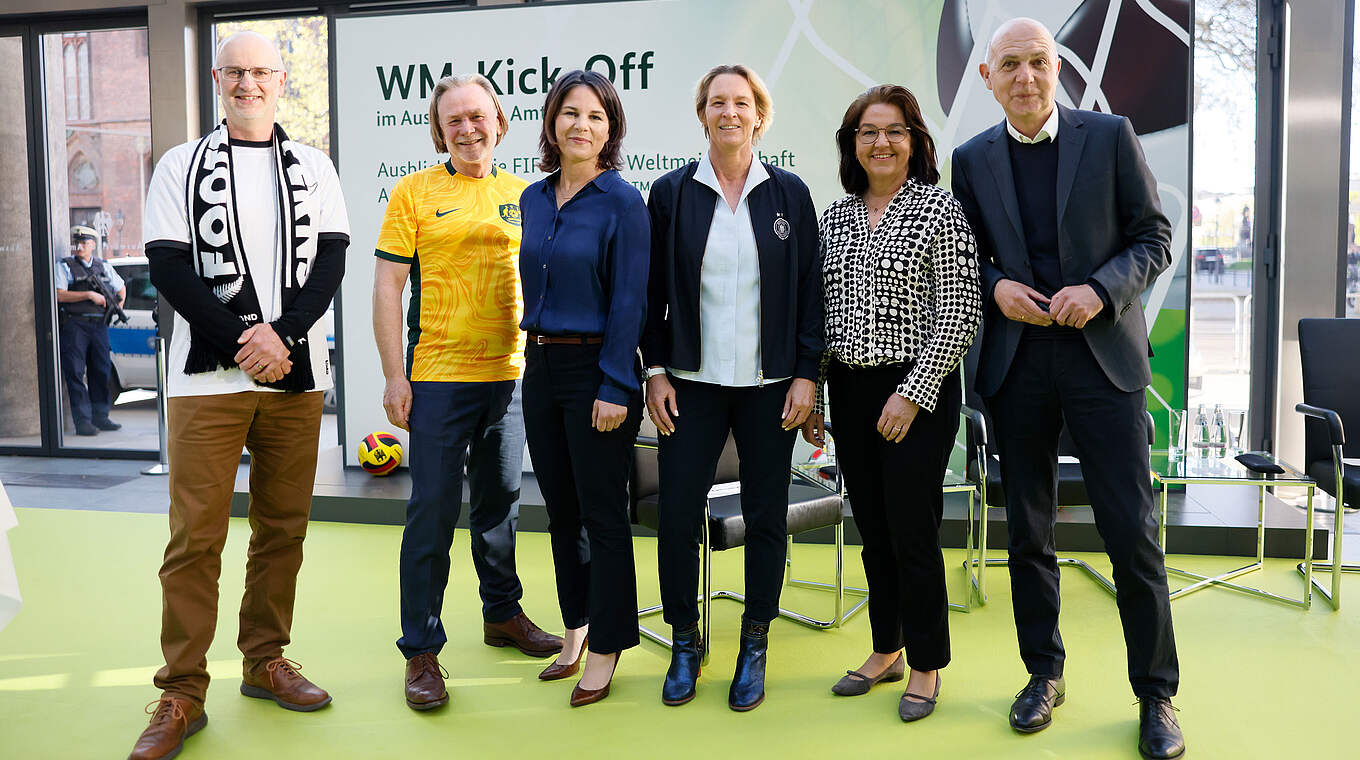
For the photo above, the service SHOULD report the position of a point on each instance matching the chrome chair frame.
(708, 594)
(976, 566)
(1336, 567)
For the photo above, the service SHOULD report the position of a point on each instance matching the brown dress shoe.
(277, 678)
(557, 670)
(521, 633)
(581, 696)
(172, 721)
(425, 688)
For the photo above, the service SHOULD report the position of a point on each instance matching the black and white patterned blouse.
(906, 292)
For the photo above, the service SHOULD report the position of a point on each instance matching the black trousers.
(895, 495)
(85, 353)
(687, 460)
(583, 475)
(1053, 379)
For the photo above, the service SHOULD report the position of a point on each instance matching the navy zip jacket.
(789, 251)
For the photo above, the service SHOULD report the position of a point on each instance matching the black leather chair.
(812, 505)
(1329, 351)
(984, 469)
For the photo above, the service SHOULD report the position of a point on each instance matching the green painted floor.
(1259, 679)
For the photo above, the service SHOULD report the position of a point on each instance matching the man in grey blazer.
(1070, 233)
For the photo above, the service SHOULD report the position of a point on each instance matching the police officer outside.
(85, 313)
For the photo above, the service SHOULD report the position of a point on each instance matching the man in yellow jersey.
(454, 231)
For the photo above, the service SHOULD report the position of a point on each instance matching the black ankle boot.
(748, 683)
(687, 652)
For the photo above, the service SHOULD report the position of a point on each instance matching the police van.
(133, 343)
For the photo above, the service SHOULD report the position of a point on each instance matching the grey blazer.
(1111, 230)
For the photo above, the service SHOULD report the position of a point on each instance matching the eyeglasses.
(869, 135)
(258, 73)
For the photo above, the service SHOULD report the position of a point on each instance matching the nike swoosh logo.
(441, 213)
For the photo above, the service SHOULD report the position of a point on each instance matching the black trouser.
(896, 497)
(1053, 379)
(687, 460)
(85, 353)
(583, 475)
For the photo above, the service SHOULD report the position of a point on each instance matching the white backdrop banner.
(814, 56)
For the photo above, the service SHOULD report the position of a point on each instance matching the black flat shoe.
(855, 683)
(1033, 707)
(1159, 733)
(909, 711)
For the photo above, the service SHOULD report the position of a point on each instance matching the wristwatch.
(653, 372)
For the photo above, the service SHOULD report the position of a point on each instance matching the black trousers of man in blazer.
(1111, 234)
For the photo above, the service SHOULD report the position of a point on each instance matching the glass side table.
(1228, 471)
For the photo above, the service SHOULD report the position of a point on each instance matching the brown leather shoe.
(277, 678)
(172, 721)
(521, 633)
(557, 670)
(425, 688)
(580, 697)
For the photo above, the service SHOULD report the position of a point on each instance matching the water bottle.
(1201, 434)
(1218, 433)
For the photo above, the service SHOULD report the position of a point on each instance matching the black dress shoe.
(748, 682)
(85, 427)
(107, 424)
(687, 652)
(1033, 707)
(1159, 735)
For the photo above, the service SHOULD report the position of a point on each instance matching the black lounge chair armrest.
(977, 425)
(1333, 420)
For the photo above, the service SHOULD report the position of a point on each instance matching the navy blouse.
(584, 268)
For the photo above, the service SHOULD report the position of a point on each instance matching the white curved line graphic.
(1102, 55)
(1161, 18)
(1092, 85)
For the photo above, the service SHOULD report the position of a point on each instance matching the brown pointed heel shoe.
(580, 697)
(557, 670)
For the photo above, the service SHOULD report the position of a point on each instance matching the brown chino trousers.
(206, 435)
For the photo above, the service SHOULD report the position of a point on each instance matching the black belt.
(574, 340)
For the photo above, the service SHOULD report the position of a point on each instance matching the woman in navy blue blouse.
(583, 263)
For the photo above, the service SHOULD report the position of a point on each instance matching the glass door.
(97, 118)
(20, 406)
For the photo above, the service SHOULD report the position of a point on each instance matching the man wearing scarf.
(246, 233)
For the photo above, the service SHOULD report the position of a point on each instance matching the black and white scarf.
(210, 195)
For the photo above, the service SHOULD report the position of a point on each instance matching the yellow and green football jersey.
(461, 237)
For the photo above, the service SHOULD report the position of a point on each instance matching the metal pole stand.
(163, 466)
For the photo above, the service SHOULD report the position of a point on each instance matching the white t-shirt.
(254, 175)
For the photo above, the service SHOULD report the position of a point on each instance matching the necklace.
(878, 209)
